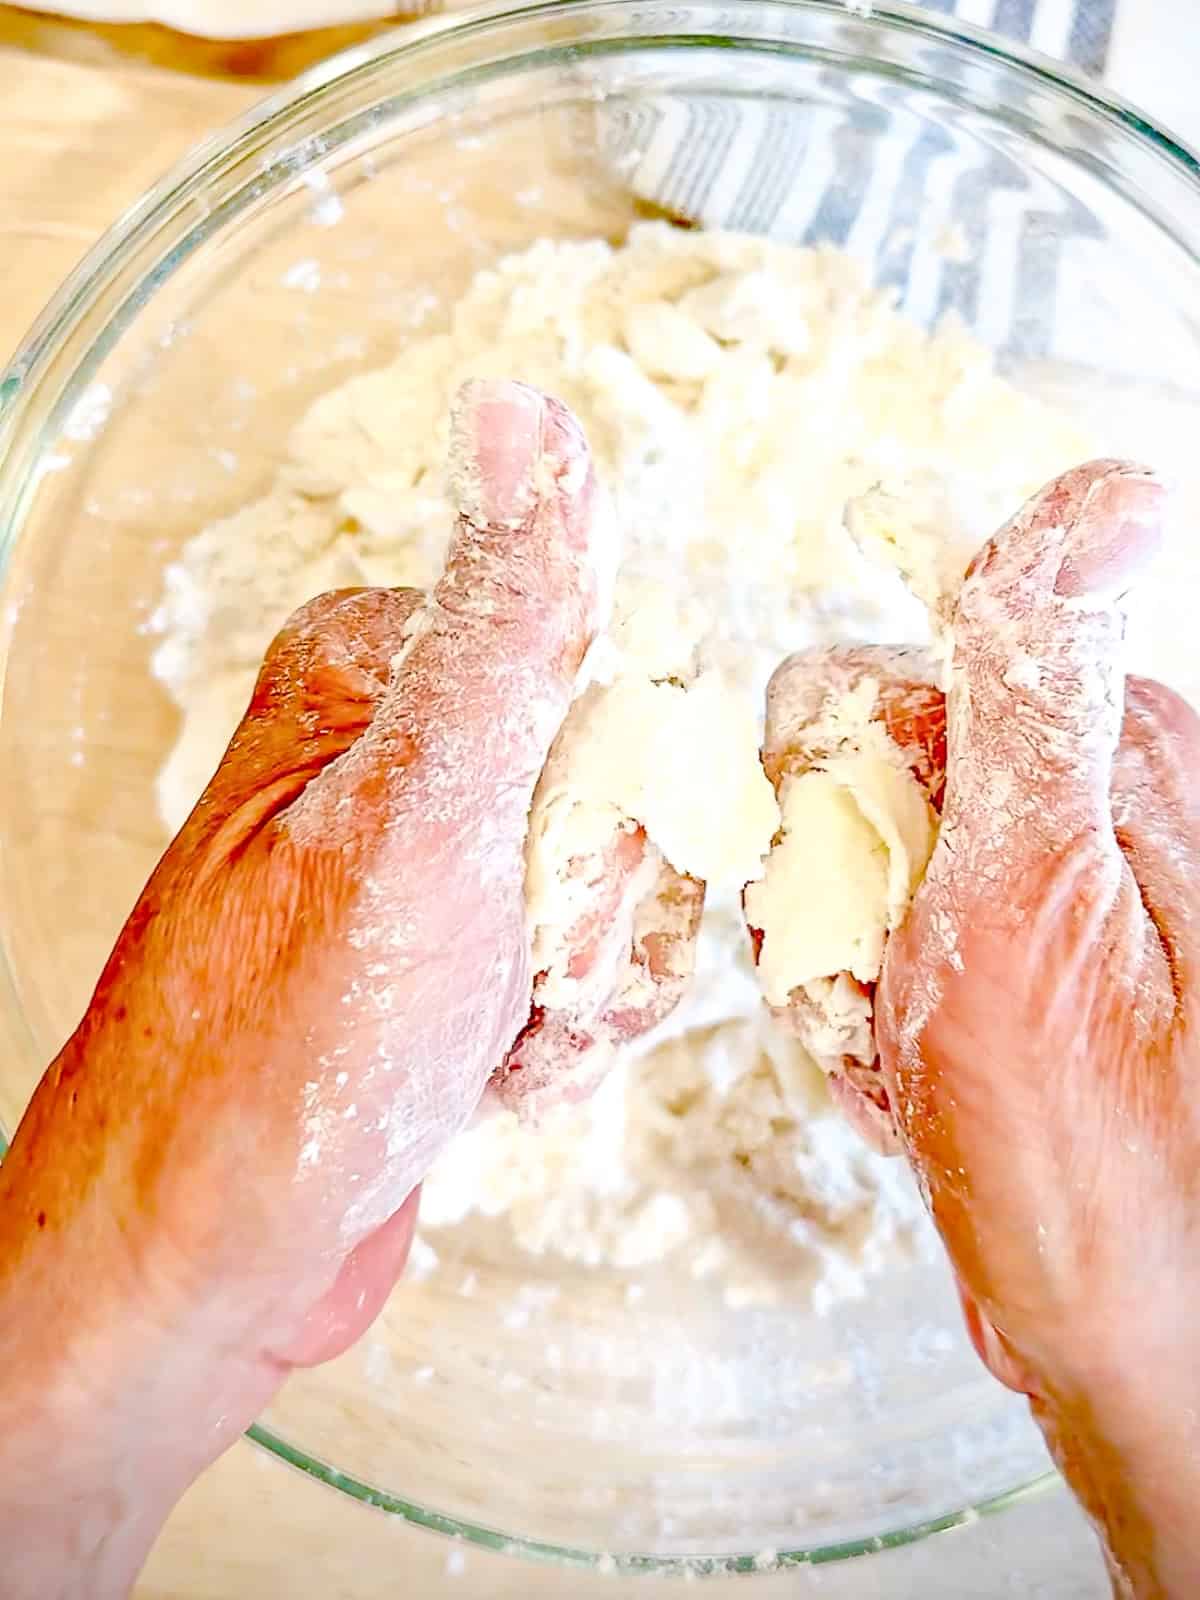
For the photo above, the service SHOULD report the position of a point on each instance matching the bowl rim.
(218, 153)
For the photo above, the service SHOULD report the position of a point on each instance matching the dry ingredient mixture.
(738, 395)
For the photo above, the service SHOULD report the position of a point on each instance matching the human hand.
(1037, 1013)
(215, 1181)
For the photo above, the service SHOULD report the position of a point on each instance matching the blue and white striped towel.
(953, 225)
(1079, 31)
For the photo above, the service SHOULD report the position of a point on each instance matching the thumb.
(320, 684)
(1036, 694)
(1037, 681)
(1027, 870)
(484, 673)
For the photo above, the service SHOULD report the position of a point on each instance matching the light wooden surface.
(78, 145)
(86, 124)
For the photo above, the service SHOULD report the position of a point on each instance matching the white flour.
(736, 394)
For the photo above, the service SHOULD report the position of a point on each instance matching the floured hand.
(1038, 1015)
(216, 1179)
(1037, 1012)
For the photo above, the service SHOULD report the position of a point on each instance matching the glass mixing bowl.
(306, 244)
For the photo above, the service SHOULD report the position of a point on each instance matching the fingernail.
(1115, 533)
(496, 449)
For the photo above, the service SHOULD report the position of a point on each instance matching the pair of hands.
(216, 1179)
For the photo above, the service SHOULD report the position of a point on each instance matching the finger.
(1037, 683)
(332, 658)
(1156, 815)
(902, 684)
(1027, 857)
(581, 908)
(662, 955)
(626, 981)
(992, 1348)
(320, 684)
(364, 1281)
(861, 1096)
(823, 707)
(485, 675)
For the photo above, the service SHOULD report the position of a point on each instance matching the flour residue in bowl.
(737, 394)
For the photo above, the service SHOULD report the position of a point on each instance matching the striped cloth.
(951, 225)
(1079, 31)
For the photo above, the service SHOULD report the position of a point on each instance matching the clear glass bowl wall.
(304, 246)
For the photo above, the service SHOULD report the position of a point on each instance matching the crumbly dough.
(921, 529)
(656, 740)
(737, 394)
(718, 1149)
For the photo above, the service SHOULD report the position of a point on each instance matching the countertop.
(89, 118)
